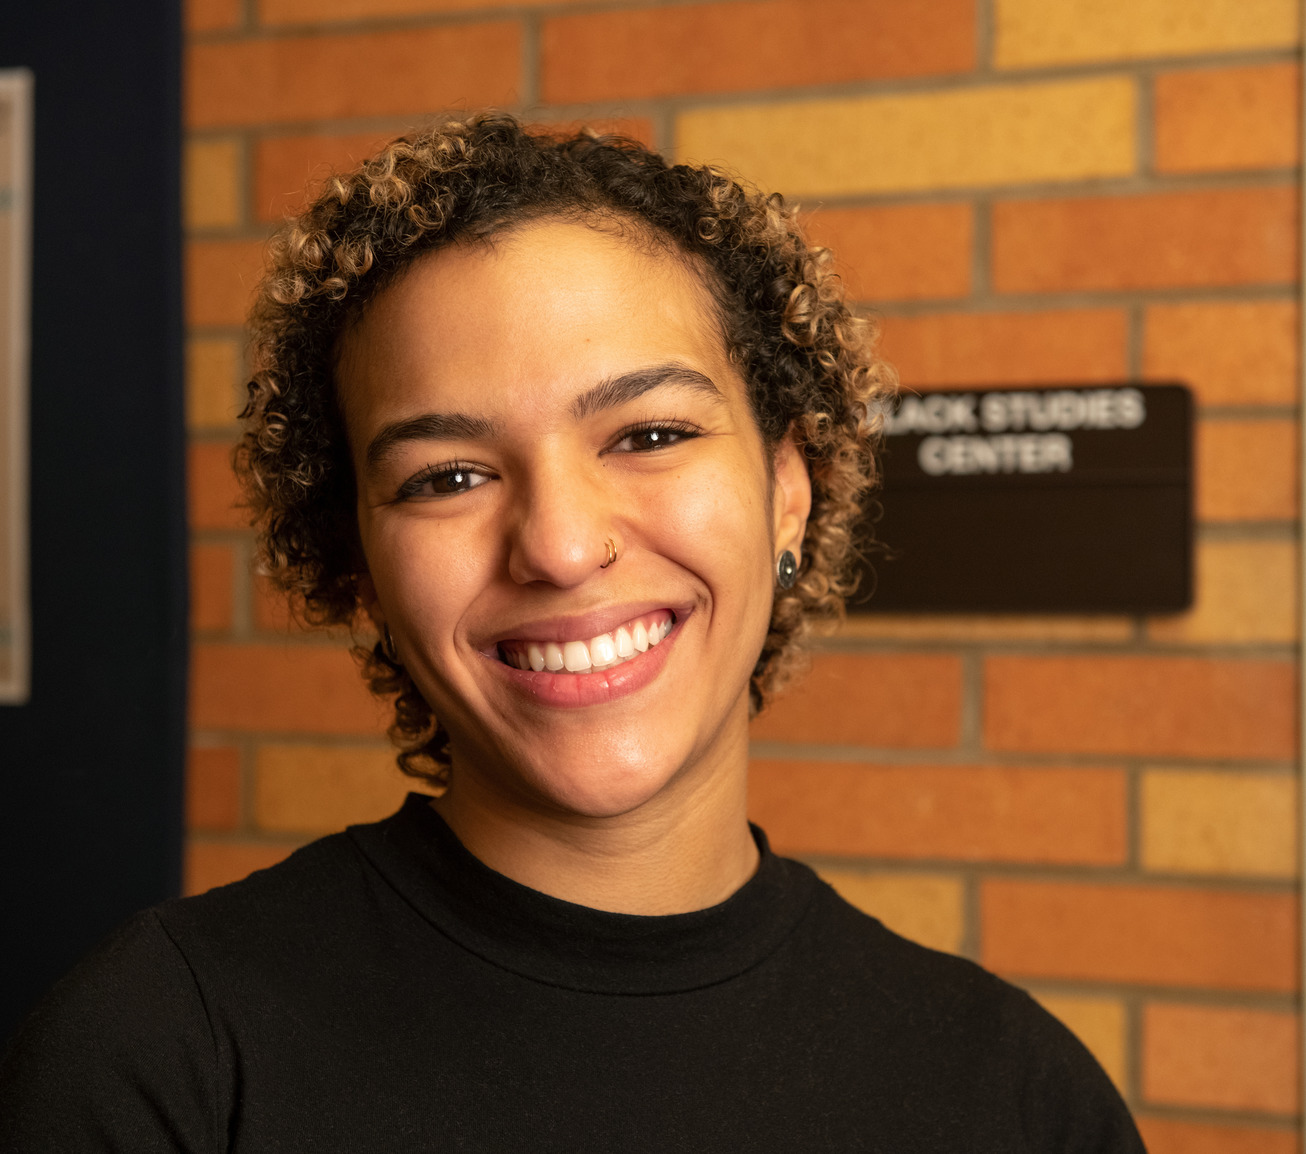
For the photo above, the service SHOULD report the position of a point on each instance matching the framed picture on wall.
(15, 308)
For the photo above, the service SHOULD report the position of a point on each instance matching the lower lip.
(574, 690)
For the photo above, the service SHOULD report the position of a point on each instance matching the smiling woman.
(584, 436)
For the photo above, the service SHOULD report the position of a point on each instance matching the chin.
(606, 788)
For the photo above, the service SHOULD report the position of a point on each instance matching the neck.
(686, 849)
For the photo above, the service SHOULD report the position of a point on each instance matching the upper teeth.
(601, 652)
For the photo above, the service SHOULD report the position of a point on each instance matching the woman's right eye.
(443, 481)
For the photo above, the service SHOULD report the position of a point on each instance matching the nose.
(561, 529)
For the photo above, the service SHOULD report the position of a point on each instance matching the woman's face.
(512, 409)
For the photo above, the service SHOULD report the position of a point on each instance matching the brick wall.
(1102, 809)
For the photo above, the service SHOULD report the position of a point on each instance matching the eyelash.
(414, 485)
(684, 429)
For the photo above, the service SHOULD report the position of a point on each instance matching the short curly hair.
(809, 363)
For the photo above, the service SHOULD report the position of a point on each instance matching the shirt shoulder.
(961, 1026)
(134, 1048)
(119, 1055)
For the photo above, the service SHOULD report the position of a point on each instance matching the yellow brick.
(316, 789)
(1004, 134)
(983, 627)
(1209, 821)
(1246, 591)
(213, 184)
(213, 395)
(1097, 1022)
(927, 908)
(1030, 33)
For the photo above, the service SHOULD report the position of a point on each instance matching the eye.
(443, 481)
(646, 438)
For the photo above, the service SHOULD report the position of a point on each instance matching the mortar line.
(981, 246)
(985, 29)
(1301, 812)
(972, 930)
(529, 96)
(1133, 816)
(1145, 123)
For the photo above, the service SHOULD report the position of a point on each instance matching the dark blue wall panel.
(91, 768)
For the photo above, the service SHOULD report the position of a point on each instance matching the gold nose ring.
(612, 553)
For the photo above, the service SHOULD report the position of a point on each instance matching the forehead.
(537, 315)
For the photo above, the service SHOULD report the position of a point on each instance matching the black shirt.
(382, 990)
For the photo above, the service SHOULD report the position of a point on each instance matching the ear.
(792, 499)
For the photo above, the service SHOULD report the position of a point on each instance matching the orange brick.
(1182, 706)
(221, 276)
(1220, 119)
(1246, 470)
(408, 72)
(652, 52)
(902, 252)
(272, 613)
(974, 350)
(318, 788)
(1159, 240)
(1230, 353)
(289, 169)
(901, 701)
(281, 689)
(331, 11)
(636, 127)
(211, 590)
(1212, 1056)
(1166, 1136)
(1150, 935)
(271, 607)
(217, 863)
(212, 490)
(212, 789)
(967, 813)
(212, 15)
(286, 168)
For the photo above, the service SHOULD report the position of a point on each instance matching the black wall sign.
(1052, 500)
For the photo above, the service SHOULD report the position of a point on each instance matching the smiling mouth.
(605, 651)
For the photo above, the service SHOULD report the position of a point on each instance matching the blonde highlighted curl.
(809, 363)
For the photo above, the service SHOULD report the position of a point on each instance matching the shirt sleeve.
(1068, 1104)
(120, 1057)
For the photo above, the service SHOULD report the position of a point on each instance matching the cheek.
(427, 572)
(716, 521)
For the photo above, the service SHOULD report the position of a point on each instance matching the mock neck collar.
(573, 946)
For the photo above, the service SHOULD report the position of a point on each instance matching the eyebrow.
(428, 427)
(614, 391)
(607, 394)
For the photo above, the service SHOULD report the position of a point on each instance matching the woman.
(584, 436)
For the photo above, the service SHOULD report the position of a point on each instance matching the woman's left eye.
(653, 437)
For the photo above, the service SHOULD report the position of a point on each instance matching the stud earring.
(786, 570)
(388, 650)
